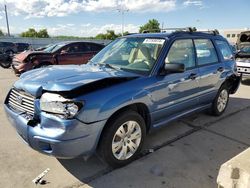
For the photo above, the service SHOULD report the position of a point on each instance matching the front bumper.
(67, 139)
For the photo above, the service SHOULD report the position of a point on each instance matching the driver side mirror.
(173, 68)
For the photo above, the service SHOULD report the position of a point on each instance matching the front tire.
(221, 101)
(123, 138)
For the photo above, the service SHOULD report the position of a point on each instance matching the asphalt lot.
(187, 153)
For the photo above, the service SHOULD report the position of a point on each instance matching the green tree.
(43, 33)
(1, 33)
(109, 35)
(101, 36)
(33, 33)
(153, 26)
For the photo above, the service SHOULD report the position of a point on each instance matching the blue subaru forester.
(137, 83)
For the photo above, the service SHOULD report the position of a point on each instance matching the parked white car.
(243, 67)
(243, 55)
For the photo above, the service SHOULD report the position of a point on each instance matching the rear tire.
(221, 101)
(122, 139)
(7, 59)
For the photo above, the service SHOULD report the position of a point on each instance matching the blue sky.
(90, 17)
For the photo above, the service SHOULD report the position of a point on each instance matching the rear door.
(88, 52)
(210, 69)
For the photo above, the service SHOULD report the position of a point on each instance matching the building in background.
(232, 34)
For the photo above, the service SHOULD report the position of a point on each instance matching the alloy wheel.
(222, 100)
(126, 140)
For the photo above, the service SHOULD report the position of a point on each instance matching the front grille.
(21, 101)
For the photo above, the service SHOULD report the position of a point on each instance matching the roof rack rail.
(184, 29)
(214, 32)
(187, 29)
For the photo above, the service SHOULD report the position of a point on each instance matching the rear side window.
(182, 51)
(224, 49)
(95, 47)
(205, 51)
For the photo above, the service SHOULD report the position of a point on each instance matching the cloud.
(87, 30)
(193, 3)
(59, 8)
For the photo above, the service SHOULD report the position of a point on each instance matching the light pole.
(7, 21)
(122, 10)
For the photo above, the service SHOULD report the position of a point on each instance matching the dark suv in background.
(58, 54)
(22, 46)
(7, 50)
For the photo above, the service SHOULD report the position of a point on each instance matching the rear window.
(224, 49)
(205, 51)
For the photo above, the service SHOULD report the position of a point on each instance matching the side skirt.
(182, 114)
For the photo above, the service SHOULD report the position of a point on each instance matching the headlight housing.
(58, 105)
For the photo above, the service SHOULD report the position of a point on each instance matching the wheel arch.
(140, 108)
(233, 83)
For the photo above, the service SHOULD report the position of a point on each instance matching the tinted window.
(205, 51)
(224, 49)
(7, 44)
(95, 47)
(182, 51)
(73, 48)
(228, 35)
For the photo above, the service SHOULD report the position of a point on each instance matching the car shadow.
(94, 167)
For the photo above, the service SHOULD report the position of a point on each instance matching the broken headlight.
(58, 105)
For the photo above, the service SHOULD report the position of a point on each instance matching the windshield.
(132, 54)
(245, 49)
(53, 48)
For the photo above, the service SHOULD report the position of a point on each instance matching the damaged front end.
(44, 110)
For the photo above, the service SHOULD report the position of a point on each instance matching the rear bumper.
(56, 137)
(245, 75)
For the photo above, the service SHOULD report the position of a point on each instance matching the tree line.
(151, 26)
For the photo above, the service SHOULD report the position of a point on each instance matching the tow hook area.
(32, 123)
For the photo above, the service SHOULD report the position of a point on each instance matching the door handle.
(192, 76)
(220, 69)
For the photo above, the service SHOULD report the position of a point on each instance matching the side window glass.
(224, 49)
(95, 47)
(73, 48)
(205, 51)
(182, 51)
(85, 47)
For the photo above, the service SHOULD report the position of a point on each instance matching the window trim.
(170, 46)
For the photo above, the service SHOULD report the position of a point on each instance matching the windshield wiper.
(110, 66)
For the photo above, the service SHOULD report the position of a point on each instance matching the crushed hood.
(66, 78)
(22, 56)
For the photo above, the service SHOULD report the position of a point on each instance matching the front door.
(71, 54)
(178, 92)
